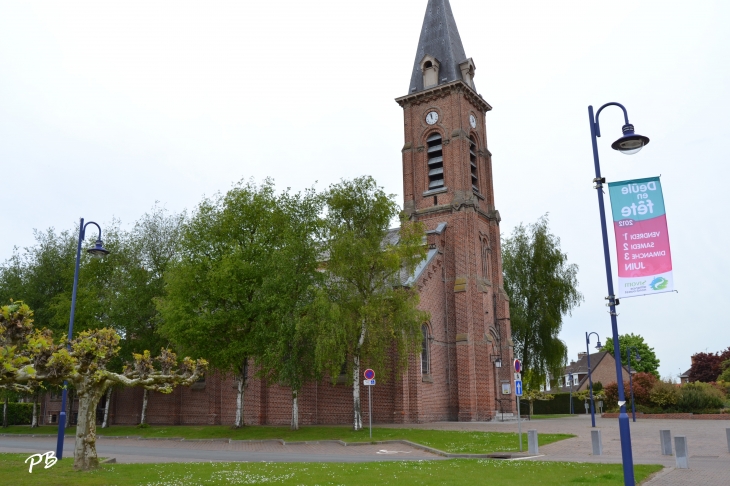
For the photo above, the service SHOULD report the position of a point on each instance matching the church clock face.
(432, 118)
(472, 121)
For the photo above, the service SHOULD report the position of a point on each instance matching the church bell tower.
(447, 185)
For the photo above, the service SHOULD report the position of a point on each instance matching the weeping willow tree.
(543, 288)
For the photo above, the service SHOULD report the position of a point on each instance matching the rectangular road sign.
(518, 376)
(518, 388)
(368, 382)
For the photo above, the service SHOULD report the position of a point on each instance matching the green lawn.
(453, 441)
(452, 472)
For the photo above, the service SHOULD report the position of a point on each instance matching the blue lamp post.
(631, 381)
(97, 251)
(629, 143)
(590, 380)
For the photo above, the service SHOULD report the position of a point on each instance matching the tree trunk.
(531, 413)
(85, 446)
(241, 382)
(34, 420)
(295, 410)
(145, 400)
(5, 412)
(105, 424)
(356, 394)
(357, 425)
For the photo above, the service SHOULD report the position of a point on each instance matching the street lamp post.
(97, 251)
(629, 143)
(590, 380)
(631, 382)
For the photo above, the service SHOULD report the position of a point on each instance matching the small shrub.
(699, 396)
(597, 386)
(664, 395)
(143, 426)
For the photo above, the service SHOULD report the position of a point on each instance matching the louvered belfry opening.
(473, 161)
(435, 162)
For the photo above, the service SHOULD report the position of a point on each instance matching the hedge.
(559, 404)
(19, 413)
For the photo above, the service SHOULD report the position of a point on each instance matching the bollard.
(681, 452)
(727, 432)
(596, 440)
(665, 438)
(532, 441)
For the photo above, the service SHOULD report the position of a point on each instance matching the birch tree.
(543, 288)
(285, 352)
(366, 312)
(30, 355)
(215, 299)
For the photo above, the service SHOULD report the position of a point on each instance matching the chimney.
(582, 355)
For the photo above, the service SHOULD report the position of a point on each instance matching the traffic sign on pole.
(368, 382)
(369, 374)
(518, 366)
(518, 388)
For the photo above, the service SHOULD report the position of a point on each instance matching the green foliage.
(216, 295)
(543, 288)
(725, 375)
(559, 404)
(364, 311)
(19, 413)
(648, 363)
(664, 395)
(698, 396)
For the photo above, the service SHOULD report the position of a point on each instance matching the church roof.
(440, 39)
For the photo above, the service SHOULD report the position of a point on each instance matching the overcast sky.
(107, 107)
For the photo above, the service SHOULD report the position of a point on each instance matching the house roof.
(580, 367)
(440, 39)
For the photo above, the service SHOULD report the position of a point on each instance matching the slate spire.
(440, 39)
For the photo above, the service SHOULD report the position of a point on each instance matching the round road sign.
(518, 366)
(369, 374)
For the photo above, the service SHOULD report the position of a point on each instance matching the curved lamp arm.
(83, 231)
(598, 113)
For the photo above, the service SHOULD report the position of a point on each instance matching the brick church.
(447, 185)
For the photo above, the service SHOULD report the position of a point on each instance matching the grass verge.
(453, 441)
(452, 472)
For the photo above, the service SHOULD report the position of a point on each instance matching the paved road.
(133, 450)
(709, 459)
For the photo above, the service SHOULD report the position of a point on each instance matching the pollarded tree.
(543, 288)
(531, 395)
(29, 355)
(366, 312)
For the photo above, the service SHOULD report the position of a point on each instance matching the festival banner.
(642, 240)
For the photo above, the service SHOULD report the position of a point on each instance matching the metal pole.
(631, 384)
(570, 377)
(62, 415)
(590, 382)
(519, 423)
(370, 409)
(623, 419)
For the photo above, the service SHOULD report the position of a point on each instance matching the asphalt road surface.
(133, 450)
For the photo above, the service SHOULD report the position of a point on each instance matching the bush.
(664, 395)
(19, 413)
(699, 396)
(559, 404)
(597, 386)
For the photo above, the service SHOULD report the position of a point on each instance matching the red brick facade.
(461, 287)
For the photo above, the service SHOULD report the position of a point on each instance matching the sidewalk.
(709, 459)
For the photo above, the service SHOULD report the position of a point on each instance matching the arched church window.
(473, 163)
(425, 351)
(434, 149)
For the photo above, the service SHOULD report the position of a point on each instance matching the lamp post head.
(498, 362)
(98, 251)
(598, 344)
(631, 142)
(637, 358)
